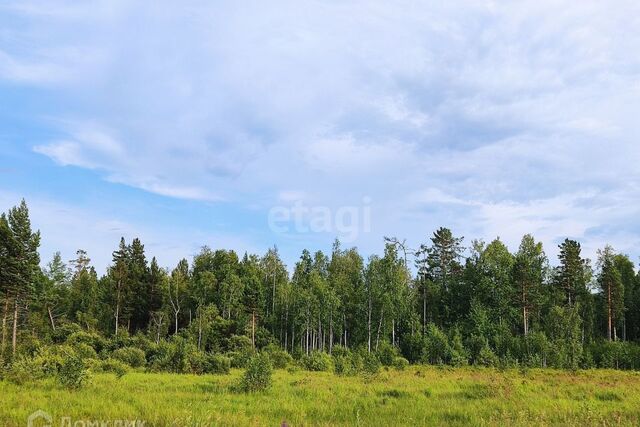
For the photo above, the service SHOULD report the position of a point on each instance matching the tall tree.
(611, 289)
(9, 274)
(26, 243)
(177, 287)
(119, 275)
(439, 264)
(574, 272)
(529, 270)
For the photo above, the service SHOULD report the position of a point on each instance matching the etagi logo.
(346, 221)
(39, 419)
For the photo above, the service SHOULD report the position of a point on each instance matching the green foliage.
(132, 356)
(317, 361)
(370, 364)
(73, 372)
(171, 356)
(280, 359)
(386, 353)
(114, 366)
(257, 376)
(23, 370)
(85, 351)
(400, 363)
(218, 364)
(208, 363)
(487, 357)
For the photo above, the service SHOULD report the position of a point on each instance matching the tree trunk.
(393, 332)
(345, 331)
(14, 341)
(199, 328)
(4, 325)
(609, 312)
(330, 332)
(176, 318)
(53, 324)
(424, 309)
(253, 329)
(369, 326)
(117, 309)
(379, 329)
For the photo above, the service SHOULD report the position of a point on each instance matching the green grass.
(416, 396)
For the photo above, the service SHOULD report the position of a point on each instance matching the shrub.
(257, 376)
(50, 358)
(208, 363)
(438, 350)
(280, 359)
(85, 351)
(132, 356)
(198, 362)
(400, 363)
(171, 356)
(97, 342)
(114, 366)
(386, 353)
(413, 348)
(73, 372)
(23, 370)
(239, 359)
(370, 364)
(343, 366)
(487, 357)
(339, 350)
(316, 361)
(218, 364)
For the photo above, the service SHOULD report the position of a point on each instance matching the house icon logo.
(45, 418)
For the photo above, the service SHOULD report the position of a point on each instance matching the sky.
(190, 123)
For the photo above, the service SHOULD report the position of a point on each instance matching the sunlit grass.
(417, 396)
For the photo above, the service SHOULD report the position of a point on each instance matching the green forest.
(448, 302)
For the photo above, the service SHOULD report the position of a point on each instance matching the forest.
(448, 302)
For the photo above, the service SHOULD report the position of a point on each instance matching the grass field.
(416, 396)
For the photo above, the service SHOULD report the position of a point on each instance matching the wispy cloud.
(493, 113)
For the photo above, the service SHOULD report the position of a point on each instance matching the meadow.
(419, 395)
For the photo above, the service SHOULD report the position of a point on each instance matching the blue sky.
(185, 125)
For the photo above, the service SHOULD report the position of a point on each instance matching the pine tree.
(573, 273)
(27, 259)
(529, 269)
(611, 289)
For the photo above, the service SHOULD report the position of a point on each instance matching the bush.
(280, 359)
(343, 366)
(487, 357)
(132, 356)
(85, 351)
(370, 364)
(257, 377)
(73, 372)
(239, 359)
(23, 370)
(386, 353)
(171, 356)
(114, 366)
(317, 361)
(218, 364)
(208, 363)
(413, 348)
(97, 342)
(50, 358)
(400, 363)
(197, 362)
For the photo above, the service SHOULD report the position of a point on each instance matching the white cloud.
(505, 110)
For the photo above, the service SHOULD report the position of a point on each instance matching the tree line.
(442, 302)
